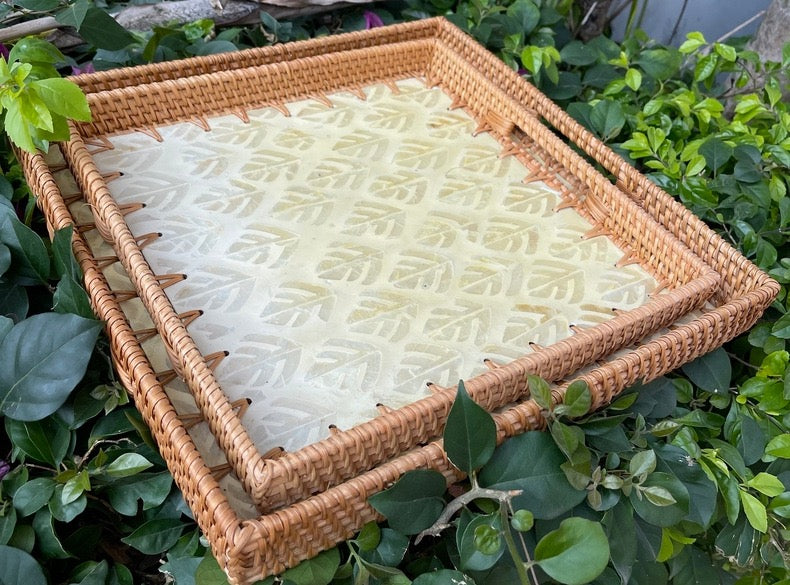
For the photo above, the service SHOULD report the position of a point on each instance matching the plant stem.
(521, 569)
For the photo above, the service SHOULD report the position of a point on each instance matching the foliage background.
(689, 477)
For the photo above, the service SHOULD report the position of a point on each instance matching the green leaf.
(779, 446)
(38, 5)
(7, 524)
(694, 567)
(633, 79)
(607, 118)
(577, 400)
(317, 571)
(6, 324)
(444, 577)
(369, 537)
(155, 536)
(577, 53)
(540, 392)
(29, 254)
(531, 462)
(63, 97)
(621, 533)
(524, 16)
(643, 462)
(780, 505)
(13, 300)
(738, 541)
(194, 570)
(663, 516)
(103, 32)
(46, 539)
(71, 298)
(522, 520)
(5, 259)
(414, 502)
(767, 484)
(66, 512)
(574, 554)
(781, 328)
(755, 511)
(127, 464)
(18, 130)
(389, 550)
(93, 573)
(716, 152)
(17, 567)
(50, 355)
(75, 487)
(472, 558)
(33, 495)
(44, 441)
(659, 64)
(470, 433)
(74, 14)
(711, 372)
(727, 52)
(150, 488)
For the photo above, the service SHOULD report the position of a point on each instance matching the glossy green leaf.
(444, 577)
(369, 537)
(390, 548)
(767, 484)
(66, 512)
(150, 488)
(414, 502)
(662, 515)
(608, 119)
(659, 63)
(155, 536)
(482, 532)
(75, 487)
(522, 520)
(577, 53)
(93, 573)
(779, 446)
(45, 441)
(620, 530)
(7, 524)
(13, 300)
(693, 566)
(46, 539)
(63, 97)
(103, 32)
(18, 567)
(71, 297)
(33, 495)
(194, 570)
(127, 464)
(577, 400)
(73, 14)
(643, 462)
(317, 571)
(716, 152)
(50, 355)
(531, 463)
(780, 505)
(540, 391)
(755, 511)
(711, 372)
(739, 540)
(5, 259)
(29, 254)
(574, 554)
(524, 16)
(470, 433)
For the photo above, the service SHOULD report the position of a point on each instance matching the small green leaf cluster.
(34, 101)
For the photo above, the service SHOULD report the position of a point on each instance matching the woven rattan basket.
(316, 496)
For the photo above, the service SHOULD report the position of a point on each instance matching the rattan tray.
(435, 51)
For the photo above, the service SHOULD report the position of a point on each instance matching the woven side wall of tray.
(277, 482)
(250, 549)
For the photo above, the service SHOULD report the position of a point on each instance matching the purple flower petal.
(4, 52)
(84, 68)
(5, 467)
(372, 20)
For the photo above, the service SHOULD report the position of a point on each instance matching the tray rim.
(277, 482)
(245, 548)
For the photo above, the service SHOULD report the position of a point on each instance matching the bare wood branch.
(30, 27)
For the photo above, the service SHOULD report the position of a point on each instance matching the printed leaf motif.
(505, 234)
(420, 270)
(530, 200)
(362, 144)
(449, 124)
(466, 192)
(346, 364)
(387, 315)
(464, 321)
(390, 118)
(350, 263)
(624, 287)
(182, 234)
(295, 139)
(490, 276)
(440, 230)
(304, 206)
(296, 302)
(484, 160)
(426, 363)
(266, 359)
(269, 165)
(420, 155)
(376, 219)
(263, 244)
(403, 186)
(221, 292)
(563, 282)
(334, 173)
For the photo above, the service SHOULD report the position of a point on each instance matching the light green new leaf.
(577, 400)
(574, 554)
(767, 484)
(128, 464)
(642, 463)
(18, 128)
(779, 446)
(540, 391)
(470, 433)
(47, 356)
(63, 97)
(755, 511)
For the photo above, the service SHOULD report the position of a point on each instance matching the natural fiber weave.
(490, 92)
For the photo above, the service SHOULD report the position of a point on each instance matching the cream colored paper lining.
(344, 256)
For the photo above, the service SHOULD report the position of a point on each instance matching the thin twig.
(30, 27)
(589, 14)
(454, 506)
